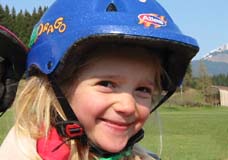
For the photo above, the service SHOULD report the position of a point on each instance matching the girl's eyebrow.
(122, 79)
(116, 77)
(150, 82)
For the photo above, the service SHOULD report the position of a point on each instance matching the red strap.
(46, 145)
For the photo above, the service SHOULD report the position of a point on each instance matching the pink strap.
(46, 145)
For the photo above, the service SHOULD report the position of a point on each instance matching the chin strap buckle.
(69, 129)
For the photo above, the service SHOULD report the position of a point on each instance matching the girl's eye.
(108, 84)
(144, 92)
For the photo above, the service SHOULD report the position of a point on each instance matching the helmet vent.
(111, 8)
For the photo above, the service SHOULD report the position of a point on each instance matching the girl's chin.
(112, 145)
(113, 149)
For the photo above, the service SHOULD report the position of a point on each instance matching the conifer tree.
(1, 14)
(22, 22)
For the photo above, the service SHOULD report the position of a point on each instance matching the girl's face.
(112, 96)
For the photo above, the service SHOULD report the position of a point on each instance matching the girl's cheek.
(144, 114)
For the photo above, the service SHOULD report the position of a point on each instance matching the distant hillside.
(215, 61)
(213, 68)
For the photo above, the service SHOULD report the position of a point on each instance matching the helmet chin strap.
(134, 139)
(72, 129)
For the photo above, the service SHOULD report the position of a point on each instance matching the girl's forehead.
(121, 70)
(119, 59)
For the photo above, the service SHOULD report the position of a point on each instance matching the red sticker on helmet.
(149, 19)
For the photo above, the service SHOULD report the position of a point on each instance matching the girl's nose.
(125, 104)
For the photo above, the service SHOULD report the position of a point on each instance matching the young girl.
(96, 70)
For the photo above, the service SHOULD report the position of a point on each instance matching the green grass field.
(188, 133)
(6, 122)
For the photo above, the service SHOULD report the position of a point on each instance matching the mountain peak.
(218, 55)
(216, 62)
(220, 49)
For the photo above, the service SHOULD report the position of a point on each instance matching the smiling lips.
(117, 125)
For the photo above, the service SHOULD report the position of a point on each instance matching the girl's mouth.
(117, 125)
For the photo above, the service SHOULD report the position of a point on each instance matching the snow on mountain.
(218, 55)
(216, 62)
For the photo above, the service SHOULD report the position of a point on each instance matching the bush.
(190, 97)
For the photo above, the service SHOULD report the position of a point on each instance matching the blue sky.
(207, 21)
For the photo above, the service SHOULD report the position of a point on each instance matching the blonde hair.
(36, 111)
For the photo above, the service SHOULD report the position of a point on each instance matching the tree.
(220, 80)
(204, 79)
(28, 23)
(19, 28)
(5, 17)
(1, 14)
(21, 23)
(13, 19)
(188, 80)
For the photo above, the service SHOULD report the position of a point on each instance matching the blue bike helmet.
(83, 23)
